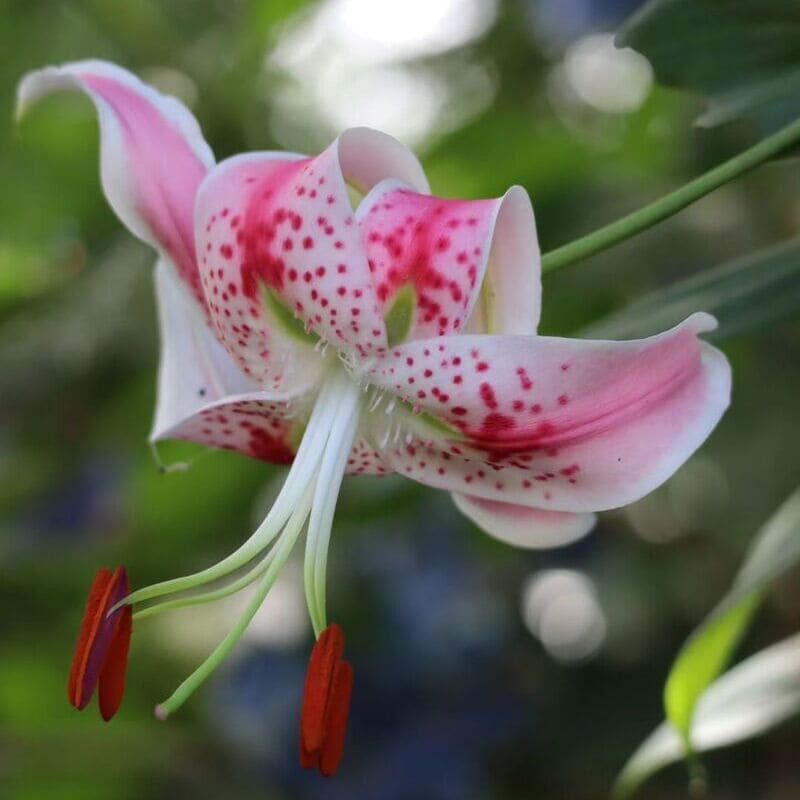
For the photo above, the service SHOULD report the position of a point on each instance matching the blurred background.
(481, 671)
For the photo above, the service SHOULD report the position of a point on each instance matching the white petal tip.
(37, 84)
(160, 713)
(701, 322)
(523, 526)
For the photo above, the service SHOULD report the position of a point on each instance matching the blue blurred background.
(481, 671)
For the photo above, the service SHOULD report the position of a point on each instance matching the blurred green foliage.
(744, 55)
(78, 487)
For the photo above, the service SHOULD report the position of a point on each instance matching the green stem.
(673, 202)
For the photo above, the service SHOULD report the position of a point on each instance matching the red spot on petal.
(488, 396)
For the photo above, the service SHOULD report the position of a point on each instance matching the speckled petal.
(256, 425)
(195, 368)
(562, 424)
(152, 155)
(278, 240)
(462, 258)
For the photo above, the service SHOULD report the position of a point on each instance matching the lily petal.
(364, 459)
(523, 526)
(453, 253)
(277, 240)
(152, 155)
(195, 369)
(258, 425)
(562, 424)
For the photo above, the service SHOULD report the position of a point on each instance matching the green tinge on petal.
(488, 298)
(400, 315)
(280, 314)
(355, 193)
(435, 425)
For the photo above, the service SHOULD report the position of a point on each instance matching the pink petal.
(562, 424)
(365, 459)
(523, 526)
(152, 155)
(442, 248)
(197, 370)
(284, 224)
(255, 425)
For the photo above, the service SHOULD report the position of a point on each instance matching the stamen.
(111, 686)
(326, 703)
(102, 647)
(338, 712)
(332, 468)
(305, 463)
(207, 597)
(327, 652)
(283, 547)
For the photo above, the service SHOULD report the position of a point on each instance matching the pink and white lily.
(330, 314)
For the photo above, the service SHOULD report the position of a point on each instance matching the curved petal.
(194, 368)
(152, 155)
(523, 526)
(255, 424)
(572, 425)
(451, 253)
(277, 229)
(205, 398)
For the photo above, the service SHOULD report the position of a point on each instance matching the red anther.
(102, 648)
(91, 621)
(321, 665)
(111, 686)
(326, 703)
(338, 711)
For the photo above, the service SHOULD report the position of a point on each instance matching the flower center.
(308, 495)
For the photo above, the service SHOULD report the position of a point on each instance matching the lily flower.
(330, 314)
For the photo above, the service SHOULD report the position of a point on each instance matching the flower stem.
(644, 218)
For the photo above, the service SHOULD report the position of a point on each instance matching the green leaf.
(775, 550)
(702, 659)
(400, 315)
(745, 294)
(744, 55)
(750, 699)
